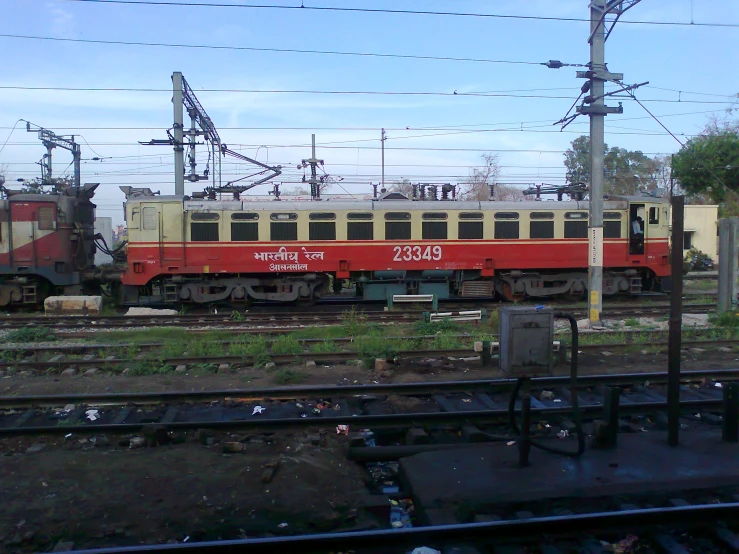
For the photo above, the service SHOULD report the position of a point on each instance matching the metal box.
(526, 338)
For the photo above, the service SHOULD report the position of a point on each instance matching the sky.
(430, 137)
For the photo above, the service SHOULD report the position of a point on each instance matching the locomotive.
(204, 250)
(47, 244)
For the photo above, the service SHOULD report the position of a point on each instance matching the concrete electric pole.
(382, 141)
(594, 106)
(315, 185)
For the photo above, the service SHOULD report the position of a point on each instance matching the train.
(202, 250)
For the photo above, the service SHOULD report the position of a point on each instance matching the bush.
(726, 319)
(31, 334)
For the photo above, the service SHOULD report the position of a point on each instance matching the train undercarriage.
(239, 290)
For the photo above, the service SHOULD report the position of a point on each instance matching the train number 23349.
(416, 253)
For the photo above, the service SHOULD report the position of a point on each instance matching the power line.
(302, 7)
(346, 92)
(280, 50)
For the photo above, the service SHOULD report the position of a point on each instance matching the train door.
(22, 233)
(637, 230)
(172, 240)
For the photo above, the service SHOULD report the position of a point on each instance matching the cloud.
(62, 21)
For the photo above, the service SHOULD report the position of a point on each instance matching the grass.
(289, 376)
(31, 334)
(632, 322)
(727, 319)
(702, 284)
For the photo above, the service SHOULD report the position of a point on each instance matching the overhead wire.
(303, 7)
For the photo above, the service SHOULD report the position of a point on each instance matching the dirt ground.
(100, 493)
(73, 490)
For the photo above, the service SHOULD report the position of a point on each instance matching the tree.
(709, 163)
(626, 171)
(402, 186)
(477, 186)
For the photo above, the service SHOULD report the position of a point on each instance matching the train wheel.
(506, 291)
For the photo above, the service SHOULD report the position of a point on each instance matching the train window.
(470, 230)
(541, 229)
(322, 231)
(470, 215)
(397, 216)
(506, 215)
(244, 232)
(359, 215)
(283, 217)
(435, 215)
(205, 216)
(396, 230)
(576, 215)
(541, 215)
(434, 230)
(654, 216)
(241, 216)
(359, 231)
(204, 232)
(576, 229)
(283, 231)
(149, 217)
(322, 216)
(506, 229)
(611, 215)
(612, 229)
(46, 218)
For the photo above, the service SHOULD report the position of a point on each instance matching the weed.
(286, 344)
(204, 348)
(237, 316)
(324, 346)
(354, 323)
(443, 341)
(209, 368)
(150, 366)
(287, 376)
(632, 322)
(432, 328)
(726, 319)
(369, 348)
(31, 334)
(252, 346)
(11, 355)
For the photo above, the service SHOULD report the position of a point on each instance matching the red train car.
(46, 244)
(184, 250)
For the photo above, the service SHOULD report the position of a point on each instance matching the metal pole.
(179, 150)
(676, 317)
(597, 153)
(382, 141)
(313, 181)
(77, 155)
(724, 265)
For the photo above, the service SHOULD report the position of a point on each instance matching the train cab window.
(397, 230)
(506, 215)
(470, 230)
(576, 229)
(654, 215)
(204, 232)
(149, 217)
(359, 230)
(611, 215)
(241, 216)
(434, 230)
(283, 231)
(242, 231)
(45, 218)
(506, 229)
(541, 229)
(612, 229)
(322, 216)
(359, 216)
(323, 230)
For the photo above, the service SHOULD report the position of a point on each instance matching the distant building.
(701, 229)
(120, 233)
(104, 227)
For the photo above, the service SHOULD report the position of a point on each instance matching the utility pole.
(315, 188)
(382, 140)
(179, 149)
(594, 106)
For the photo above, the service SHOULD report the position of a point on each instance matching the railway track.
(361, 406)
(282, 319)
(58, 363)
